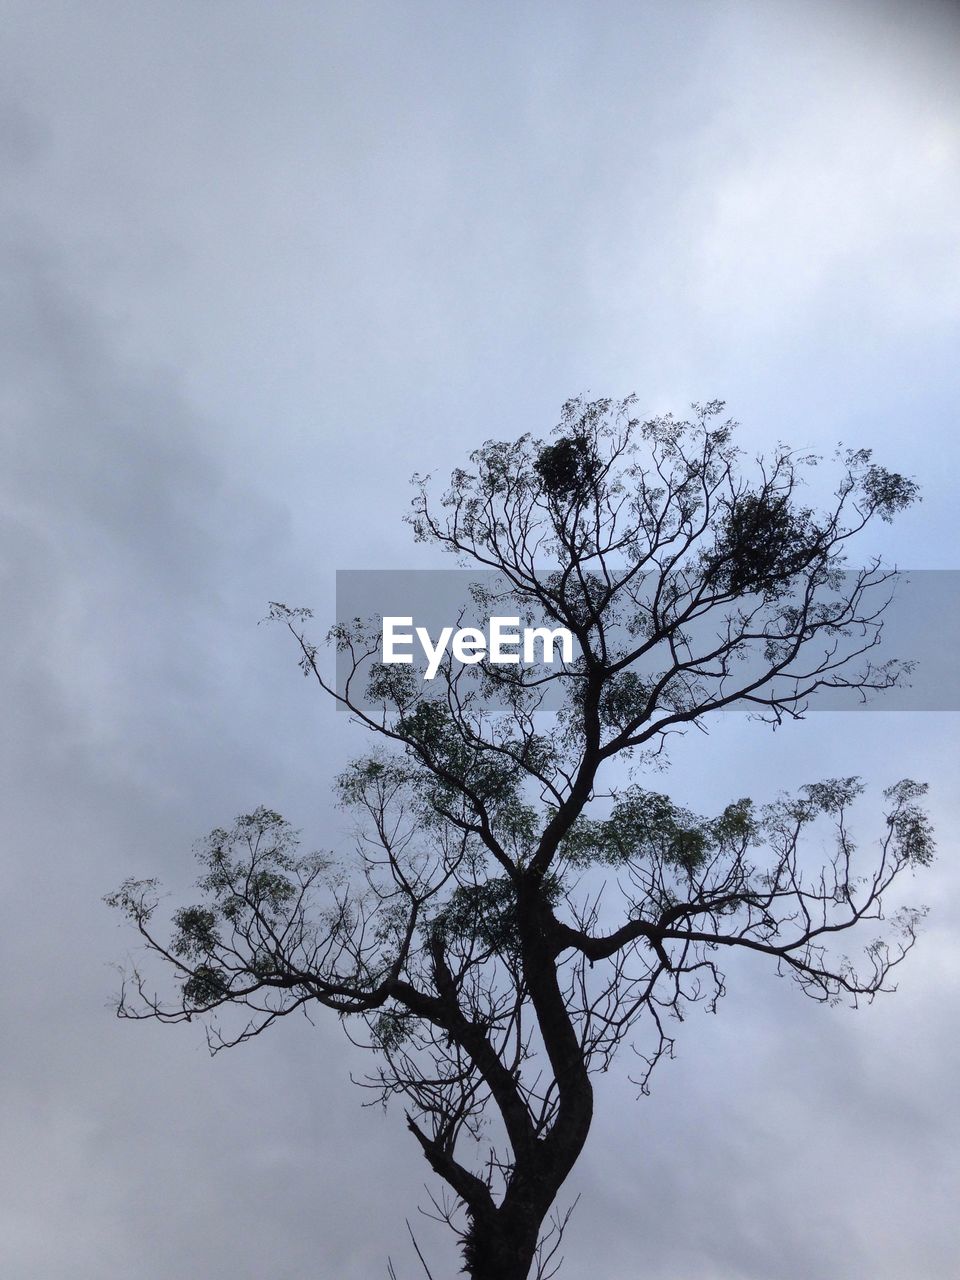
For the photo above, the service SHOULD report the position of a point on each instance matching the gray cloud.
(260, 264)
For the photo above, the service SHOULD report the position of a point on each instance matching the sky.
(259, 264)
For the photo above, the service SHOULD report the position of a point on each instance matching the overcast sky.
(260, 263)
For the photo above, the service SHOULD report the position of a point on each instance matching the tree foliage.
(516, 906)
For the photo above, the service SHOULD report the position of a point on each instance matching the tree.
(517, 907)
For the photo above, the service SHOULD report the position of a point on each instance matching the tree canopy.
(519, 901)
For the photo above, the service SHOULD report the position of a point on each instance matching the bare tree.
(516, 907)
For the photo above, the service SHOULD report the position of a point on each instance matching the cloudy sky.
(261, 262)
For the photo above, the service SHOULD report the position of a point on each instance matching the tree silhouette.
(516, 907)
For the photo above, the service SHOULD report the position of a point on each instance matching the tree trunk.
(495, 1252)
(502, 1245)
